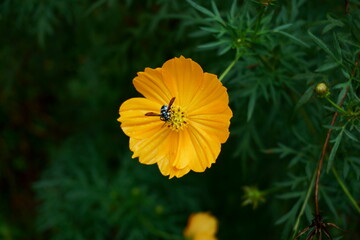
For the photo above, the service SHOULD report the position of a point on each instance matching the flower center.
(177, 119)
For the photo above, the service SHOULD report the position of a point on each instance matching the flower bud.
(253, 196)
(321, 89)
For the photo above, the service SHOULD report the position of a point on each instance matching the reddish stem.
(323, 152)
(321, 160)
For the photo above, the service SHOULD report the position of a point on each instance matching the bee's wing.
(171, 102)
(152, 114)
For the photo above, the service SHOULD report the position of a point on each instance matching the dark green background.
(65, 166)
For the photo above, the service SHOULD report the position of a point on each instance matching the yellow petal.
(186, 151)
(167, 169)
(170, 151)
(150, 150)
(134, 123)
(203, 236)
(151, 85)
(207, 149)
(212, 96)
(189, 149)
(216, 124)
(201, 223)
(183, 77)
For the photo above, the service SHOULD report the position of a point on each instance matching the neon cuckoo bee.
(164, 111)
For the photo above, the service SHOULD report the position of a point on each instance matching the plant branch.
(323, 153)
(346, 191)
(335, 105)
(308, 193)
(237, 56)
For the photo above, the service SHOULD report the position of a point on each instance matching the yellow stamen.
(177, 119)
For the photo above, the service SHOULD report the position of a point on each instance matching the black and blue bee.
(164, 111)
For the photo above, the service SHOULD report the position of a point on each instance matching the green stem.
(272, 190)
(335, 105)
(237, 56)
(346, 191)
(297, 222)
(158, 232)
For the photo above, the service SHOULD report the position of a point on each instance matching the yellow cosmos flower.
(182, 119)
(201, 226)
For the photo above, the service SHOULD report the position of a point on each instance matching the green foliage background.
(66, 66)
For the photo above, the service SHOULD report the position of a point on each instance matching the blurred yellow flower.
(203, 236)
(201, 226)
(182, 119)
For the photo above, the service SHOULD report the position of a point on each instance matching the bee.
(164, 111)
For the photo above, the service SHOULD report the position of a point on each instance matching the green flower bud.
(253, 196)
(322, 89)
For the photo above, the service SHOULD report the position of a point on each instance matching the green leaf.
(224, 50)
(333, 127)
(295, 160)
(344, 88)
(345, 74)
(251, 105)
(209, 29)
(306, 96)
(290, 195)
(282, 27)
(334, 150)
(233, 9)
(211, 45)
(327, 66)
(337, 46)
(351, 136)
(283, 150)
(291, 213)
(333, 23)
(201, 9)
(328, 28)
(322, 45)
(215, 9)
(299, 41)
(329, 202)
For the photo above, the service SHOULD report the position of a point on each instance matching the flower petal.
(134, 123)
(191, 149)
(207, 149)
(151, 85)
(186, 151)
(201, 223)
(166, 158)
(204, 236)
(167, 170)
(183, 77)
(212, 96)
(216, 124)
(210, 111)
(150, 150)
